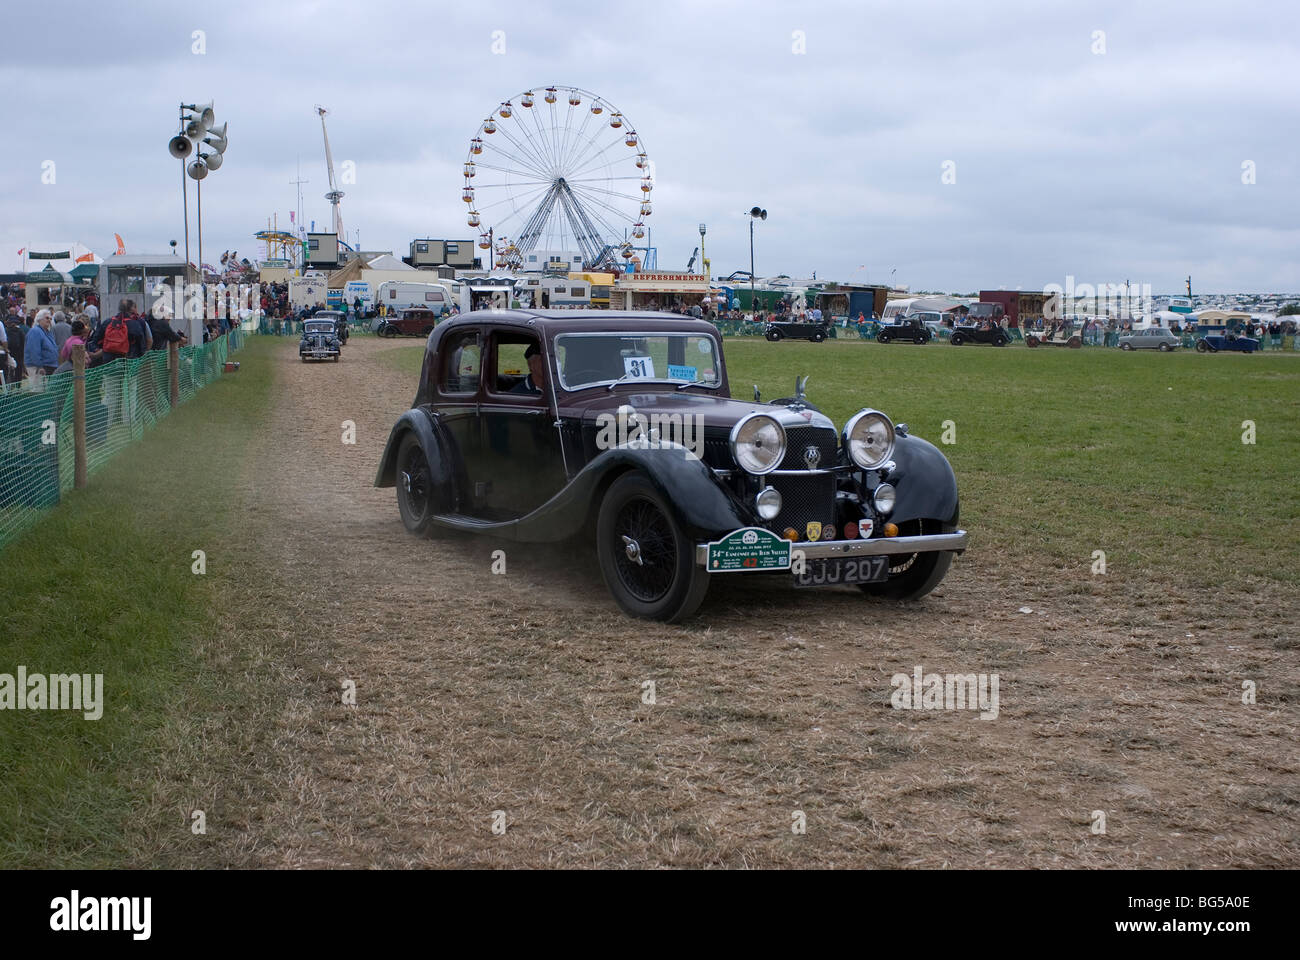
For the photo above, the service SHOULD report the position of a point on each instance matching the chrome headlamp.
(758, 443)
(869, 439)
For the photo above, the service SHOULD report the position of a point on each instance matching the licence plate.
(829, 571)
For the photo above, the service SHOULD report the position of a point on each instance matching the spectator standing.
(77, 338)
(40, 351)
(61, 329)
(17, 335)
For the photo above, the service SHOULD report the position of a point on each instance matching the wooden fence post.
(174, 373)
(79, 417)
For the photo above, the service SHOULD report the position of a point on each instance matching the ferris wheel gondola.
(564, 172)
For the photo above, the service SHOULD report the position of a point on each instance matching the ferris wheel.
(558, 169)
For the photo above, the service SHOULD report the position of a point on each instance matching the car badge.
(828, 532)
(865, 527)
(812, 456)
(814, 530)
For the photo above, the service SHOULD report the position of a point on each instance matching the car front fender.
(924, 481)
(429, 432)
(702, 505)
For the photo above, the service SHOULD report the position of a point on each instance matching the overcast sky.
(1109, 156)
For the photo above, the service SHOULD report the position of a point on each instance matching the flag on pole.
(121, 247)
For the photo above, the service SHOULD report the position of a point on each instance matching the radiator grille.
(803, 499)
(798, 439)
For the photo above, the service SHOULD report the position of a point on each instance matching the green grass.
(1062, 452)
(103, 584)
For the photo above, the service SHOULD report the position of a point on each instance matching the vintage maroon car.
(537, 425)
(411, 322)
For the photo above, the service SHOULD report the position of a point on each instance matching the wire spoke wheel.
(558, 169)
(647, 562)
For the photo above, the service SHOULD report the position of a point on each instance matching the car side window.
(461, 364)
(512, 373)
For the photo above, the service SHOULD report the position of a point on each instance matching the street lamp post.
(704, 268)
(755, 213)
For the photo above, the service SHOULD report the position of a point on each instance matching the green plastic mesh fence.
(123, 400)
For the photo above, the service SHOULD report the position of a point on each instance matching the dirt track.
(522, 693)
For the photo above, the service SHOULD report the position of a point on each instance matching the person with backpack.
(119, 337)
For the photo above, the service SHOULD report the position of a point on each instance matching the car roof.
(547, 322)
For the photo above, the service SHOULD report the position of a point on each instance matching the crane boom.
(335, 194)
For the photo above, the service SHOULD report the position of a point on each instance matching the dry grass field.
(523, 693)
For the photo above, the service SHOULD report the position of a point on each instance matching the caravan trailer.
(394, 295)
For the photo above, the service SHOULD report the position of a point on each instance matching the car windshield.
(320, 326)
(586, 359)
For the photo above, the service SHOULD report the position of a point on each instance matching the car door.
(521, 460)
(458, 392)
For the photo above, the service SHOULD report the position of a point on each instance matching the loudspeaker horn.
(198, 169)
(179, 147)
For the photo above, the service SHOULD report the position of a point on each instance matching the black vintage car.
(320, 340)
(910, 329)
(539, 425)
(974, 333)
(340, 320)
(793, 330)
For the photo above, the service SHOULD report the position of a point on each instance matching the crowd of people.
(41, 344)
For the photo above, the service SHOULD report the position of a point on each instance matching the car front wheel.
(1164, 348)
(647, 560)
(1126, 346)
(914, 575)
(414, 487)
(1202, 346)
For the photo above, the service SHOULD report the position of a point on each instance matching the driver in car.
(532, 384)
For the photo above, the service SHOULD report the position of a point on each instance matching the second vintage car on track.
(974, 333)
(1214, 342)
(320, 340)
(539, 425)
(1152, 338)
(910, 329)
(794, 330)
(409, 322)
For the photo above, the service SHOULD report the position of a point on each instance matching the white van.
(394, 295)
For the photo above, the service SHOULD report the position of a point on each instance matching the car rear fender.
(430, 433)
(925, 483)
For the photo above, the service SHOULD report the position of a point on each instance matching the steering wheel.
(588, 375)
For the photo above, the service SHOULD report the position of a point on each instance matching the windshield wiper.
(696, 383)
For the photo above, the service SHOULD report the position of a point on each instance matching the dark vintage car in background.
(336, 317)
(410, 322)
(1152, 338)
(538, 426)
(320, 340)
(912, 329)
(1214, 342)
(990, 333)
(794, 330)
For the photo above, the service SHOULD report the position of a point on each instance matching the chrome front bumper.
(876, 546)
